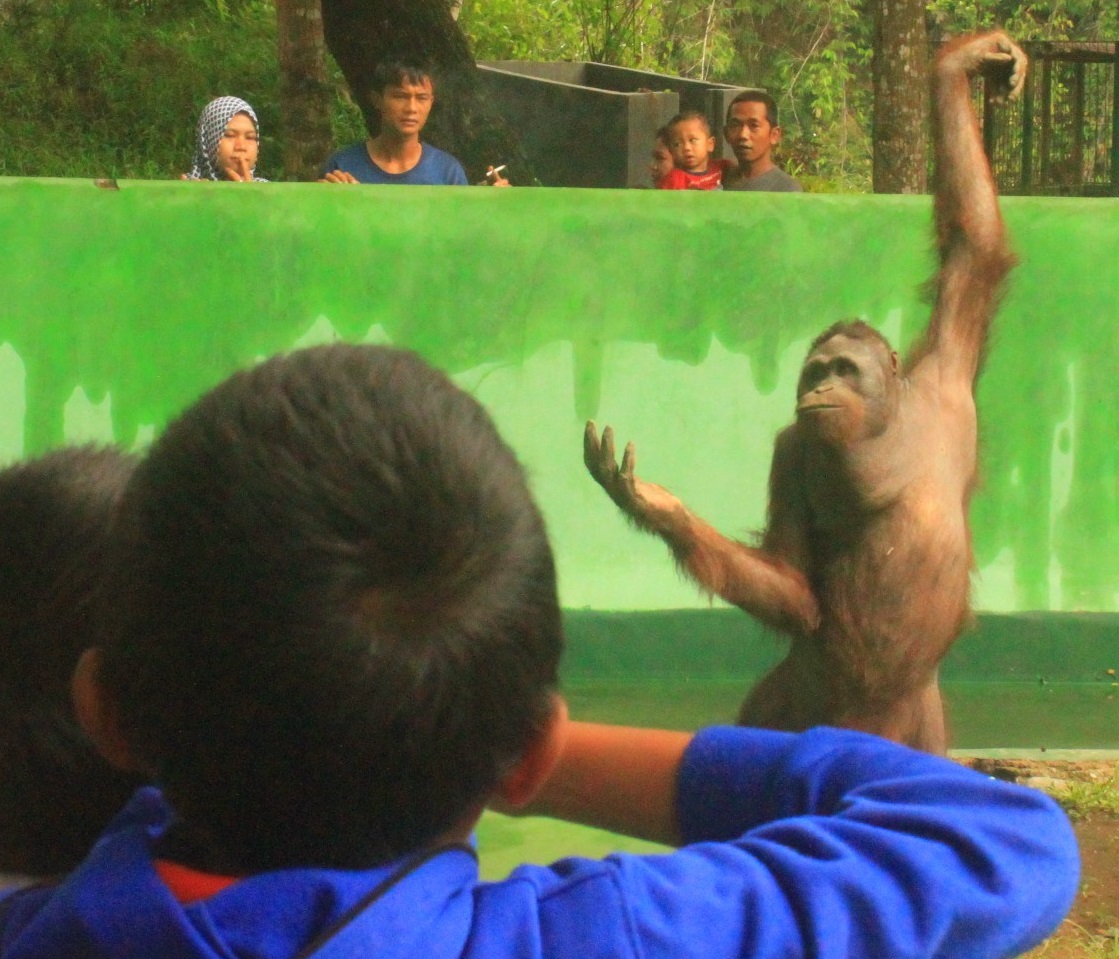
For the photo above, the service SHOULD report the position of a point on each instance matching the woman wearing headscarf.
(227, 142)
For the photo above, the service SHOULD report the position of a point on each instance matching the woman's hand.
(239, 170)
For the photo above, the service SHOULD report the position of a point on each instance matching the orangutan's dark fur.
(866, 555)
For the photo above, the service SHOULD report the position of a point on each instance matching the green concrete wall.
(680, 318)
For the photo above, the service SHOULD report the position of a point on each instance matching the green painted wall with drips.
(680, 318)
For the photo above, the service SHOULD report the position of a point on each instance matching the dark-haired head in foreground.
(56, 793)
(344, 628)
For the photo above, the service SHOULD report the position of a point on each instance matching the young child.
(691, 144)
(660, 159)
(342, 641)
(56, 793)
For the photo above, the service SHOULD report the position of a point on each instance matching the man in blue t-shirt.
(404, 97)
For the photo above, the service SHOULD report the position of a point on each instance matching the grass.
(92, 88)
(1083, 799)
(1090, 946)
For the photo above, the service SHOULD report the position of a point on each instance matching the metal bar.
(1076, 179)
(1046, 120)
(988, 122)
(1115, 122)
(1026, 187)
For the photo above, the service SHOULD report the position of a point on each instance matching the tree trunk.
(361, 34)
(901, 97)
(305, 98)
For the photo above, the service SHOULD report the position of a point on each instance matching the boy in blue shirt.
(342, 641)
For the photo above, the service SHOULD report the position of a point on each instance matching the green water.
(1033, 716)
(982, 715)
(505, 843)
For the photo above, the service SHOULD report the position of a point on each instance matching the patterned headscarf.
(211, 126)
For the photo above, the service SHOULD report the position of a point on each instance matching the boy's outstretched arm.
(619, 778)
(829, 843)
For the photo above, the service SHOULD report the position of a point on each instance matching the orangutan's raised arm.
(971, 239)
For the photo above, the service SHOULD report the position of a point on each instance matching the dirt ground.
(1092, 929)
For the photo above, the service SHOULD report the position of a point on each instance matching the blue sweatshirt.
(827, 843)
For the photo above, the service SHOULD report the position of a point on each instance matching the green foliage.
(1030, 20)
(113, 88)
(686, 37)
(518, 30)
(87, 92)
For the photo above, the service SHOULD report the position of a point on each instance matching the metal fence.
(1061, 137)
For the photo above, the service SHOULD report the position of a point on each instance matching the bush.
(102, 89)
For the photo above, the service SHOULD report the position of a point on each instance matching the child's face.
(661, 162)
(749, 133)
(691, 144)
(405, 107)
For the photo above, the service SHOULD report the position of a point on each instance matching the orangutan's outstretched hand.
(650, 506)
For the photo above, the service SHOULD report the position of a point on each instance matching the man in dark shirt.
(752, 132)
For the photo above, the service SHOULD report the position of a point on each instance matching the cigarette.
(496, 170)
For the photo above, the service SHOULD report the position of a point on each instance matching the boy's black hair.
(344, 627)
(393, 73)
(757, 96)
(56, 793)
(688, 115)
